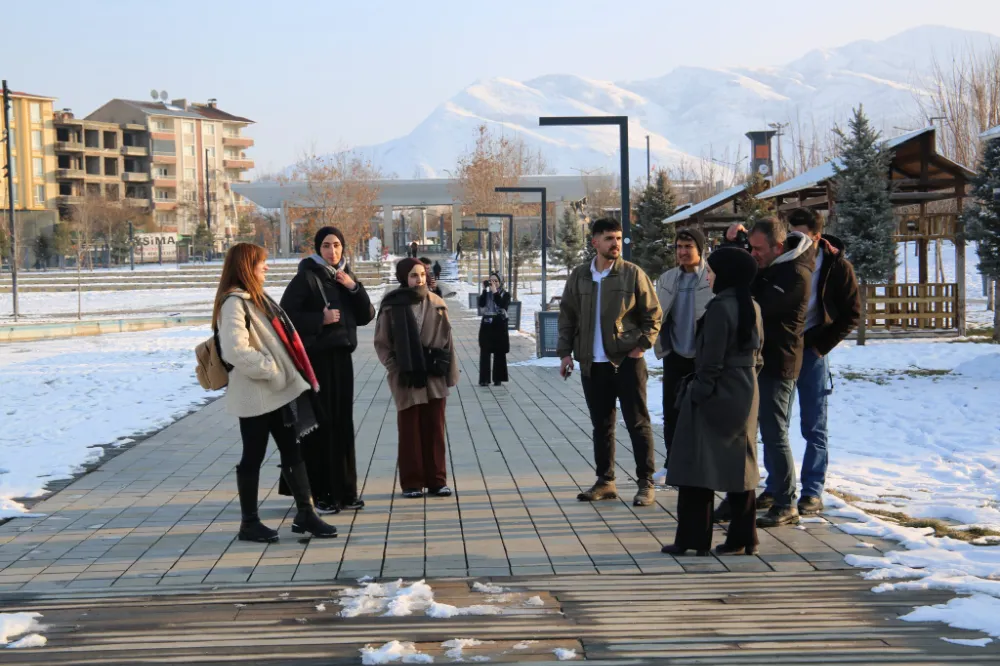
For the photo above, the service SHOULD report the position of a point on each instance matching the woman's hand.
(330, 316)
(346, 280)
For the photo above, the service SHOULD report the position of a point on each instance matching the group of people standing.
(291, 377)
(739, 330)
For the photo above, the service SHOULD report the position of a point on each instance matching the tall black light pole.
(622, 122)
(545, 231)
(510, 242)
(8, 139)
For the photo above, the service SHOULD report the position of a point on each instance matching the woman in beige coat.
(413, 341)
(270, 388)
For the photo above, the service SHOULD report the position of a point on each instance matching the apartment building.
(33, 160)
(179, 158)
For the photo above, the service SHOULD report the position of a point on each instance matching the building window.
(164, 147)
(39, 166)
(189, 151)
(162, 126)
(208, 128)
(190, 195)
(163, 195)
(189, 174)
(188, 128)
(162, 172)
(39, 194)
(36, 112)
(36, 139)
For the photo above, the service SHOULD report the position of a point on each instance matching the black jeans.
(605, 386)
(254, 430)
(694, 519)
(675, 368)
(499, 367)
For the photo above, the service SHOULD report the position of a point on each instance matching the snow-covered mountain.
(691, 113)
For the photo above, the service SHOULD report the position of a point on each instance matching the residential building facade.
(32, 156)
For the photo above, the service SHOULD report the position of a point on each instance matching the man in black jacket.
(782, 291)
(326, 305)
(833, 312)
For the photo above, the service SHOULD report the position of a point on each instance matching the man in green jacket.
(608, 317)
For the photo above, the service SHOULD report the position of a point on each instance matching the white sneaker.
(660, 478)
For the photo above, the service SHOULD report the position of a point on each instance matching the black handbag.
(438, 362)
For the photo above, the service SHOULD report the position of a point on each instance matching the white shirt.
(812, 314)
(598, 276)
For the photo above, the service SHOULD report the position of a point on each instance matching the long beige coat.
(264, 377)
(435, 332)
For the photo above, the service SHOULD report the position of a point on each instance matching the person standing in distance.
(684, 293)
(494, 335)
(833, 312)
(608, 317)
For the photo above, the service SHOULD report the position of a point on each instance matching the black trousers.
(254, 431)
(603, 389)
(329, 451)
(675, 368)
(499, 367)
(694, 518)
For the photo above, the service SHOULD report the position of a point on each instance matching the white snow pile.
(392, 652)
(488, 588)
(457, 645)
(524, 645)
(979, 612)
(534, 601)
(400, 600)
(19, 624)
(562, 654)
(971, 642)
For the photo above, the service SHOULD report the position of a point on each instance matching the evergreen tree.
(653, 241)
(982, 219)
(568, 251)
(752, 208)
(865, 220)
(246, 231)
(202, 241)
(525, 252)
(62, 243)
(43, 250)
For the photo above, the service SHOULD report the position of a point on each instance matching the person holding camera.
(494, 334)
(432, 277)
(327, 305)
(413, 340)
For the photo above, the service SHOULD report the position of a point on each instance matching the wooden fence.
(912, 306)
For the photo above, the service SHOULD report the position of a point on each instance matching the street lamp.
(545, 232)
(622, 122)
(510, 242)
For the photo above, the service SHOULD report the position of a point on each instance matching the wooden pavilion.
(928, 190)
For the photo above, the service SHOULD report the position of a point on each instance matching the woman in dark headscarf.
(413, 341)
(494, 335)
(715, 445)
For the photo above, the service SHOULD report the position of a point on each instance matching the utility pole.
(647, 161)
(208, 210)
(778, 133)
(8, 137)
(131, 246)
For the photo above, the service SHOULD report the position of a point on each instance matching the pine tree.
(568, 251)
(525, 251)
(653, 241)
(62, 242)
(246, 230)
(752, 208)
(865, 219)
(982, 219)
(202, 241)
(43, 250)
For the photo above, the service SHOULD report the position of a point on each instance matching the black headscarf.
(735, 269)
(323, 233)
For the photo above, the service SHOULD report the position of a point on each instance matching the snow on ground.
(397, 599)
(79, 393)
(141, 301)
(908, 270)
(392, 652)
(18, 624)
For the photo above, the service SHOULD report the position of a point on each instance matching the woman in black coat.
(326, 305)
(494, 337)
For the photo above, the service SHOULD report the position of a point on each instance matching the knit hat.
(323, 233)
(694, 235)
(403, 269)
(735, 268)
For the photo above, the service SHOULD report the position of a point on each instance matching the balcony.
(237, 141)
(164, 135)
(135, 177)
(136, 203)
(135, 151)
(164, 182)
(163, 158)
(165, 204)
(69, 146)
(67, 199)
(237, 164)
(69, 173)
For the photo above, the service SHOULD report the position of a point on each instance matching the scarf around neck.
(407, 348)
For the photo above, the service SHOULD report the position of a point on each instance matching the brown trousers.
(421, 446)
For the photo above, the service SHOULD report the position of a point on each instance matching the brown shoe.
(602, 490)
(646, 495)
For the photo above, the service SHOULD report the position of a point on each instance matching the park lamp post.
(545, 232)
(510, 242)
(622, 123)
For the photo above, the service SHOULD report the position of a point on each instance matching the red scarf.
(293, 343)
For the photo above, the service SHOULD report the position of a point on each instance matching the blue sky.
(329, 74)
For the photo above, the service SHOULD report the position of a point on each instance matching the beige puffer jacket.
(264, 377)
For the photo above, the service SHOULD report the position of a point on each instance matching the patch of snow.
(397, 599)
(978, 613)
(534, 601)
(488, 588)
(365, 579)
(562, 654)
(321, 607)
(15, 624)
(444, 611)
(524, 645)
(864, 544)
(457, 645)
(29, 641)
(971, 642)
(394, 651)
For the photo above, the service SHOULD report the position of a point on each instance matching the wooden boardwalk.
(152, 532)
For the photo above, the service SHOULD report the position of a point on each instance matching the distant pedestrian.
(684, 294)
(414, 248)
(437, 271)
(715, 443)
(458, 250)
(413, 340)
(432, 284)
(494, 333)
(327, 304)
(271, 389)
(781, 288)
(608, 317)
(833, 312)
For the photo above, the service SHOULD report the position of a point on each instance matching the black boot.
(306, 519)
(251, 529)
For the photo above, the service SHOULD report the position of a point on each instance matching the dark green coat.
(715, 443)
